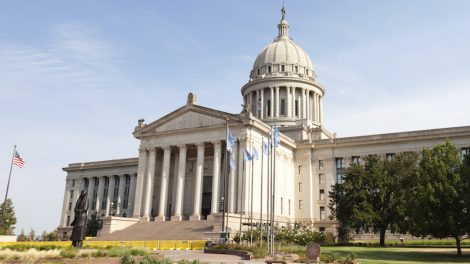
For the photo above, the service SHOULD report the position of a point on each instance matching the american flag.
(17, 160)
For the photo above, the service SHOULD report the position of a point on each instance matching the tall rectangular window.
(269, 69)
(300, 187)
(105, 194)
(73, 183)
(87, 183)
(322, 195)
(268, 106)
(117, 181)
(464, 152)
(296, 108)
(296, 69)
(283, 68)
(289, 205)
(320, 164)
(126, 192)
(95, 194)
(300, 169)
(321, 178)
(283, 107)
(259, 72)
(356, 159)
(68, 220)
(339, 163)
(301, 204)
(340, 177)
(306, 72)
(390, 156)
(282, 206)
(322, 213)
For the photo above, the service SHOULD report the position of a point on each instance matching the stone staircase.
(170, 230)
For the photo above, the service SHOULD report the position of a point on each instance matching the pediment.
(189, 120)
(186, 118)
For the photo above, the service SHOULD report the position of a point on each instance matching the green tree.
(7, 218)
(21, 236)
(94, 224)
(439, 204)
(32, 235)
(374, 195)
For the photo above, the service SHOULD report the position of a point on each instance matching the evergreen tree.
(21, 237)
(7, 218)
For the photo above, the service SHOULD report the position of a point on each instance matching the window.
(322, 213)
(73, 183)
(300, 169)
(306, 72)
(268, 106)
(390, 156)
(356, 159)
(296, 108)
(259, 71)
(126, 192)
(87, 183)
(282, 206)
(269, 69)
(68, 220)
(95, 194)
(300, 187)
(283, 68)
(105, 194)
(464, 152)
(339, 163)
(320, 164)
(117, 181)
(339, 177)
(289, 205)
(301, 204)
(283, 107)
(322, 195)
(296, 69)
(322, 229)
(71, 194)
(70, 206)
(321, 178)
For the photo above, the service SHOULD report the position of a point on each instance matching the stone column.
(289, 101)
(63, 219)
(307, 103)
(216, 177)
(109, 197)
(303, 115)
(320, 104)
(99, 196)
(230, 200)
(293, 102)
(278, 105)
(271, 112)
(148, 190)
(250, 102)
(132, 189)
(120, 198)
(242, 175)
(262, 104)
(164, 184)
(257, 105)
(91, 183)
(198, 183)
(178, 216)
(139, 186)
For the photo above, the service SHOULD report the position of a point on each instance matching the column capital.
(182, 147)
(152, 149)
(217, 142)
(142, 149)
(200, 145)
(165, 148)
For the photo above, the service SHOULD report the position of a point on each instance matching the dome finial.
(283, 25)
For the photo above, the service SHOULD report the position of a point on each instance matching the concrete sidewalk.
(177, 255)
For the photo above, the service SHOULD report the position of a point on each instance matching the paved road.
(208, 258)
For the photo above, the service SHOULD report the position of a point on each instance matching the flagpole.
(261, 195)
(268, 199)
(225, 183)
(251, 190)
(241, 199)
(8, 187)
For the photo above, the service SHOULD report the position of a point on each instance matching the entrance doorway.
(206, 196)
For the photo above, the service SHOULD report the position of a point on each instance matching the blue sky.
(76, 75)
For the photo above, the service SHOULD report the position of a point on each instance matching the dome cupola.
(282, 87)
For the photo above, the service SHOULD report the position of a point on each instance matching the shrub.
(69, 252)
(128, 259)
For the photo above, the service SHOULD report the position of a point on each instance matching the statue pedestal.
(115, 223)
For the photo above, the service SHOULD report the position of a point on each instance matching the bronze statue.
(79, 220)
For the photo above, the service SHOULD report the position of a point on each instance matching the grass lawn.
(402, 255)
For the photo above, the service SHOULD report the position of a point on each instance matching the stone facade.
(182, 166)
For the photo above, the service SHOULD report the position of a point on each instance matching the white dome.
(283, 57)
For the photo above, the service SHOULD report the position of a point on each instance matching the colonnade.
(107, 195)
(309, 103)
(146, 176)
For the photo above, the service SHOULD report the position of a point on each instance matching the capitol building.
(182, 169)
